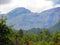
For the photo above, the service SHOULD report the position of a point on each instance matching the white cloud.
(4, 2)
(33, 5)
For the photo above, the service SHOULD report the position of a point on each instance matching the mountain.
(55, 27)
(53, 15)
(18, 11)
(32, 31)
(25, 19)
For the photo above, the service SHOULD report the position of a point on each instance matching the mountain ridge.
(28, 19)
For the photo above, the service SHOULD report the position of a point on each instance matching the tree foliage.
(5, 31)
(8, 36)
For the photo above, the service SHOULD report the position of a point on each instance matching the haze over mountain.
(25, 19)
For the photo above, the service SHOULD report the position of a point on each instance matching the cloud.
(34, 6)
(55, 2)
(4, 1)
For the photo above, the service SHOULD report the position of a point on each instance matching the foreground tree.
(5, 31)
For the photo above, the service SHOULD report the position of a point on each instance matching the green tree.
(44, 35)
(5, 31)
(20, 33)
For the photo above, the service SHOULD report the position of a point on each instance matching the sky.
(33, 5)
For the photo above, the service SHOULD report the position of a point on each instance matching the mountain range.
(25, 19)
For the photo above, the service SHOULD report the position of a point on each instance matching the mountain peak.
(18, 11)
(21, 10)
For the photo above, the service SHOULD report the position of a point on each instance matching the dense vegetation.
(8, 36)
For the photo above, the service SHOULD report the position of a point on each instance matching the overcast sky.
(33, 5)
